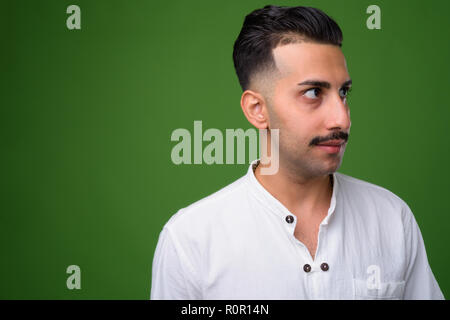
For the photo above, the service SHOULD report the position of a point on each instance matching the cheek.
(287, 110)
(296, 124)
(297, 133)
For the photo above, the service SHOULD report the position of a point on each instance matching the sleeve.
(420, 283)
(172, 274)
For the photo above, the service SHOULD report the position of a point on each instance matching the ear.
(255, 110)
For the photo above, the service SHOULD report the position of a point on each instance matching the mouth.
(331, 146)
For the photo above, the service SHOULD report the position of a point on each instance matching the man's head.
(294, 76)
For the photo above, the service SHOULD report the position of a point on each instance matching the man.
(305, 232)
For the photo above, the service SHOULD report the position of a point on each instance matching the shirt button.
(289, 219)
(324, 266)
(307, 268)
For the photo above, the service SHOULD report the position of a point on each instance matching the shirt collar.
(274, 205)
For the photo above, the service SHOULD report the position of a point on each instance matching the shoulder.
(368, 195)
(210, 211)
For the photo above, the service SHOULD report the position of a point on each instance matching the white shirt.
(238, 244)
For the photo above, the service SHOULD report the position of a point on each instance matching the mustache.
(338, 135)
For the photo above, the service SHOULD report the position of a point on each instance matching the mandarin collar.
(273, 204)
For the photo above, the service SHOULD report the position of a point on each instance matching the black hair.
(264, 29)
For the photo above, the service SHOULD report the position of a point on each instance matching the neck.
(306, 197)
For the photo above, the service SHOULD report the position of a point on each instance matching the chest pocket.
(385, 290)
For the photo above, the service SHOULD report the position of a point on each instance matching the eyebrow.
(323, 84)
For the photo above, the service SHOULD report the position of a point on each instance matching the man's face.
(308, 114)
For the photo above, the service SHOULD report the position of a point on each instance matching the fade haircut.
(265, 29)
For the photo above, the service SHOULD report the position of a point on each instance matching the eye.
(313, 93)
(344, 92)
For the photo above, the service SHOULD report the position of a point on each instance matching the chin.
(332, 167)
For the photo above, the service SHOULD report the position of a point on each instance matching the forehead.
(305, 60)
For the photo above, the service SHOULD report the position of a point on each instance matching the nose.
(338, 114)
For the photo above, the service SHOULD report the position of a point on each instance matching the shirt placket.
(313, 269)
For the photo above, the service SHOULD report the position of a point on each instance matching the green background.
(86, 118)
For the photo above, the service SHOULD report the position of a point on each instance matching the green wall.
(86, 118)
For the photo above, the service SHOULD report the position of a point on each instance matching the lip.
(332, 146)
